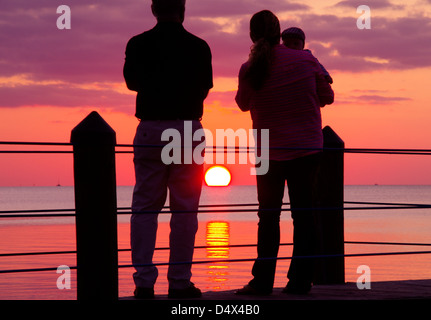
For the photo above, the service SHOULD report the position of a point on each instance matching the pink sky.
(50, 79)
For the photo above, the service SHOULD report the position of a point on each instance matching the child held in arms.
(294, 38)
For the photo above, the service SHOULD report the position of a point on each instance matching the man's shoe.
(297, 288)
(248, 290)
(187, 293)
(144, 293)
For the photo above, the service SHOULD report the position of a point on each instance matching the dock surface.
(383, 290)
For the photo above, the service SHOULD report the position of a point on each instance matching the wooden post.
(96, 209)
(330, 219)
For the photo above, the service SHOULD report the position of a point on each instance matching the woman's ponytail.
(265, 33)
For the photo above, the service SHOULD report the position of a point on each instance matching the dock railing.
(94, 143)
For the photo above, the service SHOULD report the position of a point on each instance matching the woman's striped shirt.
(289, 103)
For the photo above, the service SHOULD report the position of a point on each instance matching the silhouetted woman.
(284, 90)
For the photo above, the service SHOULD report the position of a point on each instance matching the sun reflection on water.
(217, 241)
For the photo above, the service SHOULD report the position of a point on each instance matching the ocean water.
(216, 229)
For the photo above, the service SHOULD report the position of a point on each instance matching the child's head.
(293, 38)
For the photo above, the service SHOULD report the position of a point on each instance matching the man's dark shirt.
(171, 70)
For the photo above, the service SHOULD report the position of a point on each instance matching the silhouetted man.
(171, 71)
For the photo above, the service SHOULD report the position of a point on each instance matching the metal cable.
(235, 260)
(220, 148)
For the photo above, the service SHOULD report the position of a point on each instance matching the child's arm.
(327, 75)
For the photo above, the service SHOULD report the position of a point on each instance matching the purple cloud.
(228, 8)
(374, 99)
(65, 95)
(375, 4)
(92, 51)
(392, 43)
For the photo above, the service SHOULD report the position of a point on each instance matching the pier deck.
(384, 290)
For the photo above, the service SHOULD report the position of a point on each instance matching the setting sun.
(217, 176)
